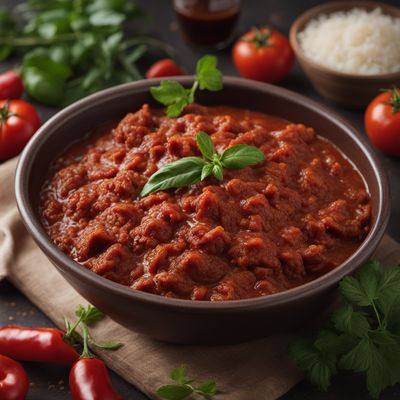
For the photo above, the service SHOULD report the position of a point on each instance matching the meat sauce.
(262, 230)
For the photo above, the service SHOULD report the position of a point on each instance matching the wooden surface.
(49, 382)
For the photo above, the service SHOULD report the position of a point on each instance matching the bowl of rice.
(349, 50)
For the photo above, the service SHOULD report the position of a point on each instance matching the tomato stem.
(394, 101)
(5, 112)
(261, 38)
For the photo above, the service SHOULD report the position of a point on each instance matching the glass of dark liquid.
(208, 24)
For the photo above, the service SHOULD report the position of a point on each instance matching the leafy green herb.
(173, 95)
(73, 48)
(184, 387)
(87, 316)
(365, 336)
(191, 170)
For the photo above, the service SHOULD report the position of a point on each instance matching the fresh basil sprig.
(190, 170)
(173, 95)
(184, 387)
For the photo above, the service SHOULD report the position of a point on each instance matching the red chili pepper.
(36, 344)
(89, 379)
(14, 382)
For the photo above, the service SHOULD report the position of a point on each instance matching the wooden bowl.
(346, 89)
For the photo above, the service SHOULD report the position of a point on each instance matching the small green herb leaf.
(206, 171)
(88, 315)
(217, 171)
(241, 156)
(207, 388)
(176, 97)
(179, 375)
(184, 172)
(174, 392)
(355, 323)
(205, 144)
(108, 345)
(207, 74)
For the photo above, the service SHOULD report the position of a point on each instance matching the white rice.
(355, 41)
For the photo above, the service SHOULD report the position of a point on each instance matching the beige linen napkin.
(249, 371)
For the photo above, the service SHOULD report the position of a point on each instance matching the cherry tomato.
(11, 86)
(382, 121)
(18, 122)
(264, 55)
(14, 382)
(164, 67)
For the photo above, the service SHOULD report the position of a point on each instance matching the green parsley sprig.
(364, 336)
(173, 95)
(88, 316)
(191, 170)
(184, 387)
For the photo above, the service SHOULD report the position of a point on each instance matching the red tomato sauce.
(262, 230)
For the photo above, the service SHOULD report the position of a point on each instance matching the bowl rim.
(333, 6)
(62, 261)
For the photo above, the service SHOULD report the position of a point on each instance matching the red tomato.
(164, 67)
(11, 86)
(382, 121)
(18, 122)
(14, 382)
(264, 55)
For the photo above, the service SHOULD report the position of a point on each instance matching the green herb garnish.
(73, 48)
(184, 387)
(173, 95)
(88, 316)
(364, 336)
(190, 170)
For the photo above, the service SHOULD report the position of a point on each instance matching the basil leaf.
(106, 18)
(174, 392)
(207, 74)
(175, 110)
(205, 144)
(206, 171)
(169, 92)
(41, 60)
(241, 156)
(217, 171)
(184, 172)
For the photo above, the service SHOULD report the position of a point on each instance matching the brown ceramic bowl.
(186, 321)
(349, 90)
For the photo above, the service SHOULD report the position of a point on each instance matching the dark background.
(51, 382)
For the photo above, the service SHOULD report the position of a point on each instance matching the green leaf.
(45, 64)
(207, 388)
(318, 366)
(106, 18)
(217, 171)
(109, 345)
(207, 74)
(43, 87)
(169, 92)
(175, 110)
(89, 315)
(359, 358)
(331, 342)
(179, 375)
(206, 171)
(205, 144)
(174, 392)
(352, 291)
(240, 156)
(355, 323)
(369, 277)
(184, 172)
